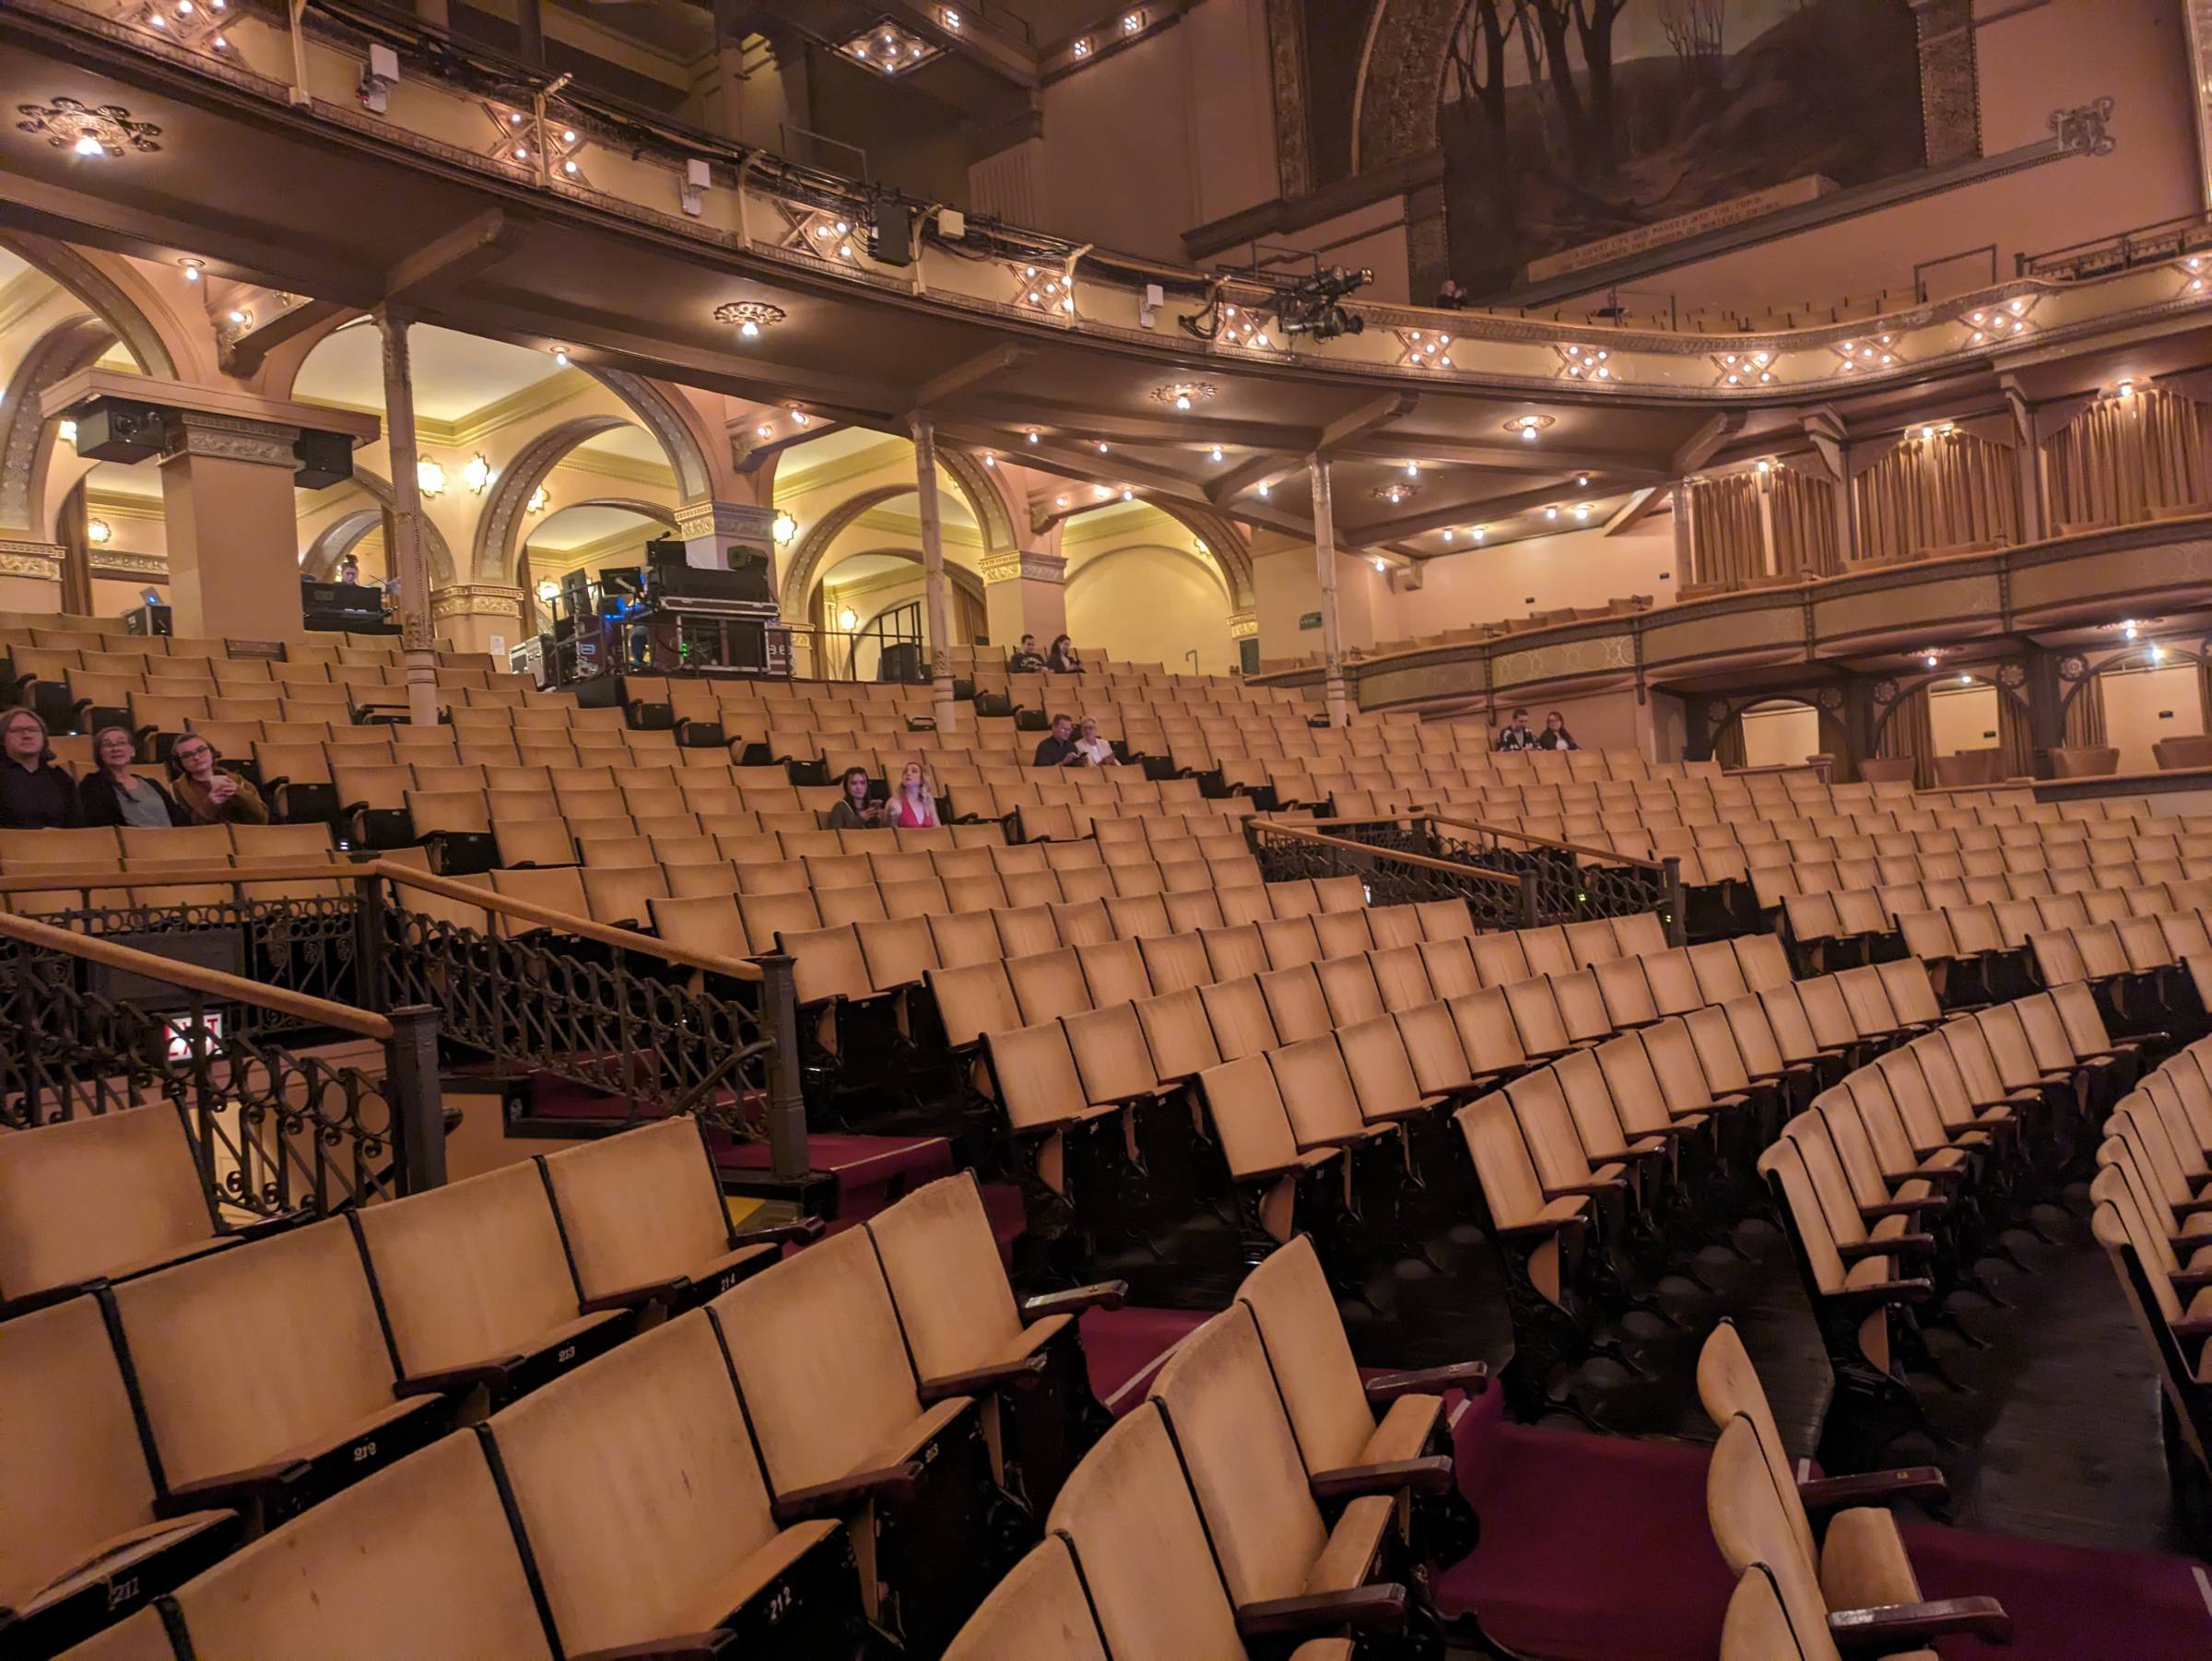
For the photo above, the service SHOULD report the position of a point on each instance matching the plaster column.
(1766, 525)
(73, 530)
(1325, 565)
(233, 534)
(1025, 591)
(717, 534)
(416, 641)
(1685, 572)
(479, 617)
(935, 604)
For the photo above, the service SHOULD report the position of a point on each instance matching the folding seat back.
(1027, 930)
(1726, 1073)
(1752, 1529)
(1237, 1012)
(1673, 981)
(1290, 941)
(1626, 992)
(1561, 1157)
(641, 1214)
(1233, 953)
(1178, 1035)
(1535, 1015)
(1401, 977)
(1640, 934)
(315, 1385)
(1295, 1003)
(474, 1273)
(1034, 1069)
(1317, 1092)
(1487, 1032)
(1511, 1186)
(1046, 984)
(1446, 919)
(1674, 1058)
(1450, 966)
(1394, 926)
(1717, 973)
(1038, 1612)
(1868, 1001)
(973, 999)
(1499, 959)
(99, 1195)
(1145, 1558)
(325, 1584)
(635, 1482)
(79, 1542)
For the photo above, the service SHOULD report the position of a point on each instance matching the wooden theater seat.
(647, 1514)
(83, 1538)
(643, 1217)
(964, 1329)
(1038, 1613)
(101, 1198)
(474, 1286)
(263, 1373)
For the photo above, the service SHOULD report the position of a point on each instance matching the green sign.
(1311, 620)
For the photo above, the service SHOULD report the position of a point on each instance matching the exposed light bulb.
(89, 146)
(560, 356)
(1263, 486)
(748, 330)
(1032, 435)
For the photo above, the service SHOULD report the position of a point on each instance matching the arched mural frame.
(498, 545)
(435, 553)
(131, 318)
(27, 437)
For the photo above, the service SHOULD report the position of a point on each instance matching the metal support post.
(417, 1105)
(1677, 925)
(788, 1159)
(1325, 565)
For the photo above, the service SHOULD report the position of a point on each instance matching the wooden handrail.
(1302, 832)
(1545, 842)
(484, 899)
(584, 929)
(94, 948)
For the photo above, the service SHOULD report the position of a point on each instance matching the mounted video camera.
(1314, 305)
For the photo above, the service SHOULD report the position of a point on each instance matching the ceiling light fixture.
(68, 125)
(847, 618)
(1079, 48)
(890, 48)
(784, 528)
(560, 356)
(1031, 435)
(1397, 491)
(1217, 452)
(541, 500)
(1183, 394)
(68, 431)
(191, 268)
(1131, 22)
(1529, 426)
(1263, 482)
(98, 530)
(750, 318)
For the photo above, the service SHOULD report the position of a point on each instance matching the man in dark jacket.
(1058, 746)
(35, 795)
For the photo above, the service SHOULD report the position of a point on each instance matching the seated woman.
(208, 793)
(913, 801)
(112, 794)
(853, 810)
(1062, 660)
(1555, 735)
(1093, 749)
(35, 795)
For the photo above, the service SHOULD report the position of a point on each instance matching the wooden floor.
(2054, 1433)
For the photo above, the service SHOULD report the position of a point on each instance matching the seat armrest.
(635, 1296)
(2194, 1207)
(1428, 1475)
(2190, 1280)
(684, 1646)
(1917, 1289)
(265, 1227)
(242, 1491)
(1898, 1626)
(1873, 1488)
(450, 1381)
(800, 1230)
(1541, 1230)
(1101, 1295)
(826, 1499)
(1379, 1609)
(1022, 1374)
(1897, 1243)
(1904, 1207)
(2199, 1326)
(1474, 1377)
(1590, 1189)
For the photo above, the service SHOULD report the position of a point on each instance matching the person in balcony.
(209, 794)
(1057, 747)
(914, 803)
(1555, 735)
(1063, 659)
(1025, 658)
(35, 795)
(1517, 733)
(853, 810)
(1093, 749)
(114, 793)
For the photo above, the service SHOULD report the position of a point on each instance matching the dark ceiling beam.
(1268, 466)
(748, 452)
(467, 251)
(1513, 456)
(1695, 451)
(978, 371)
(1467, 513)
(1366, 419)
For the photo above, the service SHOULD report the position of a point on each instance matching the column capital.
(1015, 565)
(736, 520)
(233, 438)
(1243, 625)
(476, 599)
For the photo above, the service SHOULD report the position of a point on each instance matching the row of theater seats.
(1901, 1178)
(760, 1457)
(1995, 915)
(2152, 1193)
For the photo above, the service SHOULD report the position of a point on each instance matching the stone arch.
(497, 546)
(671, 420)
(979, 486)
(25, 444)
(629, 504)
(1078, 572)
(435, 553)
(1399, 89)
(958, 576)
(814, 542)
(337, 540)
(153, 334)
(1225, 540)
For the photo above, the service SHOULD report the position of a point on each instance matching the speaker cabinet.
(326, 459)
(112, 430)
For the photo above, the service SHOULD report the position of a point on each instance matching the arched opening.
(2131, 702)
(1149, 603)
(1958, 728)
(590, 537)
(1771, 732)
(884, 583)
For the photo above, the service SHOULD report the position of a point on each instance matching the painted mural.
(1580, 130)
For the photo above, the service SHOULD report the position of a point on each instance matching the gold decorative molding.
(22, 557)
(1950, 96)
(1243, 625)
(146, 568)
(476, 599)
(1006, 565)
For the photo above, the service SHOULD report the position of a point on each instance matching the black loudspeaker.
(891, 237)
(326, 459)
(902, 662)
(112, 430)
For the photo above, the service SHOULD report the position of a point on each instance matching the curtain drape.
(2015, 750)
(1910, 736)
(969, 618)
(1728, 743)
(2122, 460)
(1726, 544)
(2085, 726)
(1805, 523)
(1931, 496)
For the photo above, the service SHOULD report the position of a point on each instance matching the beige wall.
(1962, 717)
(1577, 568)
(2032, 60)
(1287, 586)
(2142, 706)
(1150, 604)
(1781, 734)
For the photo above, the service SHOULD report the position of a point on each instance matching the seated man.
(1025, 658)
(1517, 733)
(1058, 748)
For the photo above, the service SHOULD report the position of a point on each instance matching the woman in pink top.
(914, 802)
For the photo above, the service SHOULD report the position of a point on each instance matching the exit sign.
(1311, 620)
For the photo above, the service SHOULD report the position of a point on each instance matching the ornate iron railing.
(1392, 872)
(97, 1026)
(1509, 879)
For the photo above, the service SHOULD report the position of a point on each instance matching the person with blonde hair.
(913, 802)
(115, 792)
(35, 795)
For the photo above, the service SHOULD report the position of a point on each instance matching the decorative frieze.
(233, 438)
(1009, 564)
(22, 557)
(476, 599)
(726, 522)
